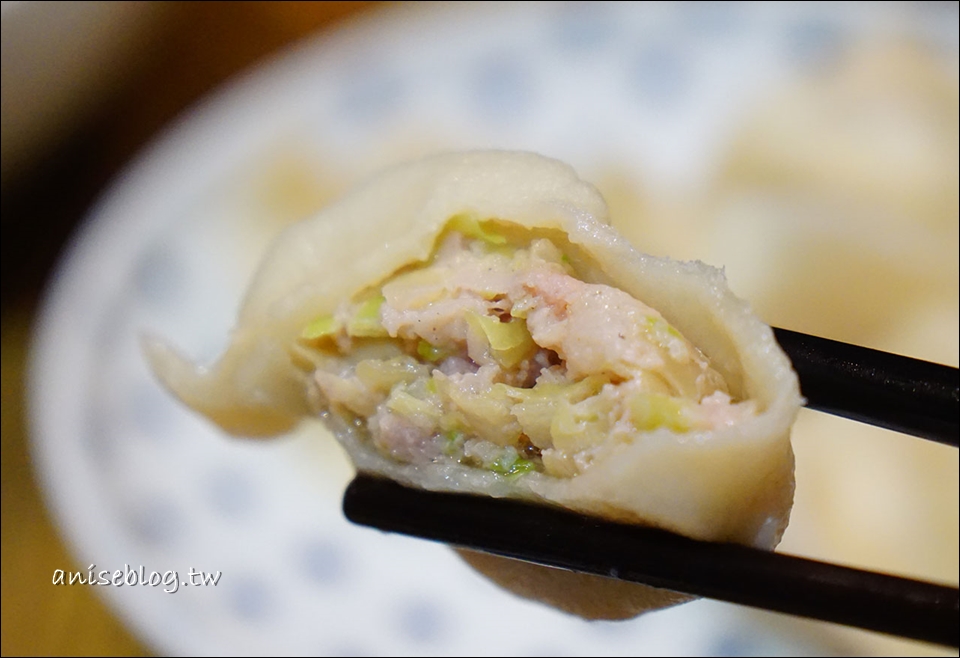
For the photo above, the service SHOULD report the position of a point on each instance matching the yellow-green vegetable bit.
(431, 353)
(322, 327)
(470, 227)
(510, 342)
(366, 321)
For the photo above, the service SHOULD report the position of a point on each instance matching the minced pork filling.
(495, 355)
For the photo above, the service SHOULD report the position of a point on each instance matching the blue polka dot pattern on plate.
(502, 87)
(660, 76)
(230, 493)
(814, 43)
(370, 94)
(249, 599)
(711, 19)
(153, 410)
(421, 621)
(582, 27)
(111, 324)
(158, 276)
(733, 645)
(545, 650)
(347, 649)
(157, 522)
(97, 438)
(322, 562)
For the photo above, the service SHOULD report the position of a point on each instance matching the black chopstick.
(729, 572)
(888, 390)
(896, 392)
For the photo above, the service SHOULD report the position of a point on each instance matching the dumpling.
(470, 322)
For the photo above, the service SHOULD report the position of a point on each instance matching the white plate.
(135, 479)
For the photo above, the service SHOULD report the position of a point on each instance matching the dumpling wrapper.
(729, 484)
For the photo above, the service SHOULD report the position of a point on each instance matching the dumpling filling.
(496, 355)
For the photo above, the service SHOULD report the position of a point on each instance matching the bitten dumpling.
(470, 322)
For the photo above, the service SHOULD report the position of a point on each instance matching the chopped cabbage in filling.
(494, 354)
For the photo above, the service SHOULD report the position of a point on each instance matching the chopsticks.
(908, 395)
(888, 390)
(728, 572)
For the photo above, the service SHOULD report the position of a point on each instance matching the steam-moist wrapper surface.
(732, 482)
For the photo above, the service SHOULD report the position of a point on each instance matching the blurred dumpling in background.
(838, 201)
(835, 213)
